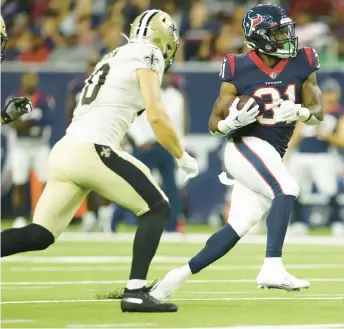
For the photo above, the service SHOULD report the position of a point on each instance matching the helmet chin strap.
(125, 36)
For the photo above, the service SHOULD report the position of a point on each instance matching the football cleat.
(282, 280)
(139, 300)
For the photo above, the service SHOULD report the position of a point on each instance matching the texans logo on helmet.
(251, 22)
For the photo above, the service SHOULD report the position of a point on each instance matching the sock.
(147, 238)
(28, 238)
(277, 224)
(89, 220)
(217, 246)
(273, 262)
(105, 212)
(136, 284)
(185, 272)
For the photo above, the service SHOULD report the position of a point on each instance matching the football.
(241, 104)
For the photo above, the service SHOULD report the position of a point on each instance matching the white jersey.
(111, 98)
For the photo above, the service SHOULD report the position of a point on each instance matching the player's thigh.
(324, 172)
(40, 162)
(247, 208)
(116, 176)
(258, 166)
(58, 204)
(21, 164)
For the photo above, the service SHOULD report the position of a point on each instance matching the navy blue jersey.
(75, 87)
(251, 76)
(40, 118)
(310, 142)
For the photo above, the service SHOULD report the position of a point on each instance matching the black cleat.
(139, 300)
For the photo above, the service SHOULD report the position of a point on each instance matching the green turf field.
(57, 288)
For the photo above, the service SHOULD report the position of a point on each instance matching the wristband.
(5, 117)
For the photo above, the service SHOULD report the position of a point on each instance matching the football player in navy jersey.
(16, 106)
(281, 79)
(31, 143)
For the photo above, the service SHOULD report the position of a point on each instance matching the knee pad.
(38, 237)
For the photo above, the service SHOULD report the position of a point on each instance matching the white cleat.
(282, 280)
(169, 284)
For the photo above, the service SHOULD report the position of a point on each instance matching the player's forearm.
(213, 123)
(165, 133)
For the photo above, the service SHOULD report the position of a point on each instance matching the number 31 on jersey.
(267, 117)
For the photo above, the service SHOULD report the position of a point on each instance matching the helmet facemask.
(283, 40)
(3, 46)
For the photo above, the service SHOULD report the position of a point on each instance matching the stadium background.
(57, 39)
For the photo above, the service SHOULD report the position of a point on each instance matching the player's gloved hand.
(189, 165)
(237, 119)
(15, 108)
(288, 111)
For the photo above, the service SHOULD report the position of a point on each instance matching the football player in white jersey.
(89, 157)
(17, 106)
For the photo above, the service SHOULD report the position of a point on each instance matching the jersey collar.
(271, 72)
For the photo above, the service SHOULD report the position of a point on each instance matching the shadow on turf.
(117, 293)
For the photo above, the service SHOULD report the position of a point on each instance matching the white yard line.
(134, 326)
(16, 321)
(113, 325)
(176, 299)
(58, 283)
(196, 238)
(89, 259)
(296, 326)
(166, 267)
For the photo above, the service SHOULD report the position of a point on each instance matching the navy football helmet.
(269, 30)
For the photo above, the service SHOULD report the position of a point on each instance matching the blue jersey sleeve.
(227, 72)
(313, 63)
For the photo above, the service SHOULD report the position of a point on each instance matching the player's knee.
(38, 237)
(161, 211)
(290, 189)
(241, 225)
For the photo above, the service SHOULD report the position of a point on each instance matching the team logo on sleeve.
(152, 60)
(251, 22)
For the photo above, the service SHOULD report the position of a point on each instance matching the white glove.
(189, 165)
(287, 111)
(237, 119)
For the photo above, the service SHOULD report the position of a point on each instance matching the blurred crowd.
(80, 30)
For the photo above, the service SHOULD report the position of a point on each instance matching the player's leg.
(327, 184)
(299, 168)
(54, 211)
(257, 165)
(120, 178)
(21, 165)
(105, 211)
(241, 218)
(167, 166)
(89, 218)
